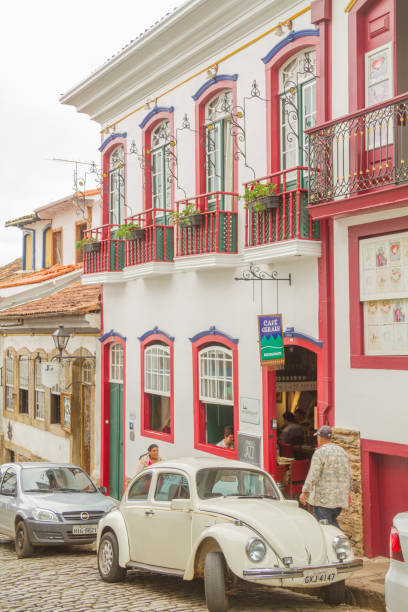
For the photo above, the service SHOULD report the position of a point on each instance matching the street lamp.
(61, 337)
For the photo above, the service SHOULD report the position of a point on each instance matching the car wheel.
(214, 582)
(335, 593)
(24, 548)
(108, 559)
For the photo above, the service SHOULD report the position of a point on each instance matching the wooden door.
(115, 440)
(86, 429)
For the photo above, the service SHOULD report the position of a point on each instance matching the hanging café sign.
(270, 330)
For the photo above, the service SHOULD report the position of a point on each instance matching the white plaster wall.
(184, 304)
(340, 64)
(370, 401)
(41, 443)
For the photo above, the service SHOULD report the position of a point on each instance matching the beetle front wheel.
(108, 559)
(335, 594)
(214, 582)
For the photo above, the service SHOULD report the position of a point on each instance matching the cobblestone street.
(68, 579)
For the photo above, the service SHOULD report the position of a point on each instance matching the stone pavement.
(366, 587)
(67, 579)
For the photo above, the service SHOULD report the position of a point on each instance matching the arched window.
(160, 169)
(116, 363)
(216, 403)
(297, 94)
(219, 156)
(39, 405)
(23, 384)
(117, 185)
(9, 395)
(157, 388)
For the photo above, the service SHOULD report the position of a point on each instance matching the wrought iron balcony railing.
(105, 253)
(290, 219)
(154, 241)
(363, 151)
(213, 230)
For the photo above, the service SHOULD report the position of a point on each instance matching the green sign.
(271, 349)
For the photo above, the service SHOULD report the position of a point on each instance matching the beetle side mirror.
(102, 490)
(181, 504)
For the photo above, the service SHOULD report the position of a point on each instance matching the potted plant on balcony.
(89, 245)
(260, 196)
(130, 231)
(189, 216)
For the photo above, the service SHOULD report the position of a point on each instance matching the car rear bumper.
(298, 572)
(396, 587)
(53, 533)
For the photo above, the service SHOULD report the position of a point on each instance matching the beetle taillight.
(395, 545)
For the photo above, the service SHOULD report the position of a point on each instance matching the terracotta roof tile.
(75, 299)
(8, 271)
(40, 275)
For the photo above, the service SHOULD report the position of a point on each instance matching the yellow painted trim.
(223, 59)
(350, 6)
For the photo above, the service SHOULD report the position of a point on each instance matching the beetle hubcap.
(106, 557)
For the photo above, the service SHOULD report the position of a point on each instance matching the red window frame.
(272, 87)
(145, 408)
(199, 407)
(146, 148)
(357, 357)
(200, 105)
(106, 153)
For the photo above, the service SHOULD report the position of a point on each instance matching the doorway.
(116, 420)
(290, 390)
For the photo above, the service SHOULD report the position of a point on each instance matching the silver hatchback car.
(46, 504)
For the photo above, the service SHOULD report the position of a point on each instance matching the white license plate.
(84, 530)
(319, 576)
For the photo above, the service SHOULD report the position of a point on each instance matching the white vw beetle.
(222, 520)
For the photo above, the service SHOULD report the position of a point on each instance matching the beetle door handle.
(149, 513)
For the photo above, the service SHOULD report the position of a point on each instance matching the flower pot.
(192, 220)
(136, 234)
(92, 247)
(268, 202)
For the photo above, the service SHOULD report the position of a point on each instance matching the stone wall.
(351, 520)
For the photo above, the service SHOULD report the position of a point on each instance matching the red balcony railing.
(106, 254)
(155, 241)
(214, 230)
(362, 151)
(290, 219)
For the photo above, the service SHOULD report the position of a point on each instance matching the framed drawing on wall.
(66, 413)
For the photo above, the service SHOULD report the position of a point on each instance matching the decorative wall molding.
(153, 332)
(156, 109)
(213, 331)
(110, 138)
(216, 79)
(111, 334)
(287, 40)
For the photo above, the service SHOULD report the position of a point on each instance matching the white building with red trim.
(211, 98)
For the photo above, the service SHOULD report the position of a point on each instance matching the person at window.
(293, 432)
(149, 458)
(228, 439)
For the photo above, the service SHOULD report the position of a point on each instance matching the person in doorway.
(228, 439)
(293, 432)
(151, 457)
(327, 485)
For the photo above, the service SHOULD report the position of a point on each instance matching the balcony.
(104, 257)
(150, 252)
(207, 239)
(287, 230)
(359, 161)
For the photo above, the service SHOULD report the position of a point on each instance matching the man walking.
(327, 485)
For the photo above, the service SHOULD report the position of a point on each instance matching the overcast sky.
(46, 47)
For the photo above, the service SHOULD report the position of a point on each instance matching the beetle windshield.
(72, 479)
(215, 482)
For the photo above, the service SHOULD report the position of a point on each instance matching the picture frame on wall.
(66, 412)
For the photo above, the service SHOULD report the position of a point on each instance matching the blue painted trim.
(28, 232)
(291, 333)
(153, 331)
(207, 84)
(110, 138)
(287, 40)
(111, 333)
(212, 332)
(157, 109)
(44, 229)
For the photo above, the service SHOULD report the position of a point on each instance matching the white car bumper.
(396, 587)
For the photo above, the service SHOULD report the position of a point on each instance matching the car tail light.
(395, 545)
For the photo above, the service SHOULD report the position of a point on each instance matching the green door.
(115, 440)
